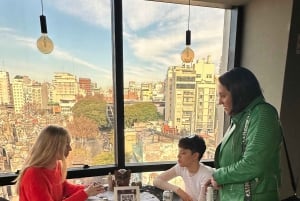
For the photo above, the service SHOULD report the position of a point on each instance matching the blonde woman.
(43, 176)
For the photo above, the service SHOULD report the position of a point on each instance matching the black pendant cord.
(43, 22)
(189, 14)
(188, 32)
(42, 7)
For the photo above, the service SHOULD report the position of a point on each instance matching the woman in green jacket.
(248, 159)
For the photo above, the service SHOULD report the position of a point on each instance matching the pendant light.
(44, 43)
(187, 55)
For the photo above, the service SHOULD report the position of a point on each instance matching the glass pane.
(165, 98)
(71, 86)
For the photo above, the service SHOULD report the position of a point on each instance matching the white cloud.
(6, 29)
(163, 44)
(139, 14)
(154, 30)
(63, 55)
(57, 53)
(96, 12)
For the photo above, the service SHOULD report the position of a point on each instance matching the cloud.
(6, 30)
(164, 39)
(137, 73)
(10, 36)
(95, 12)
(154, 31)
(57, 53)
(139, 14)
(63, 55)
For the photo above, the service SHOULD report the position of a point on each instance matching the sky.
(153, 38)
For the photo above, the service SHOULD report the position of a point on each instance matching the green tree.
(140, 112)
(106, 158)
(93, 107)
(103, 158)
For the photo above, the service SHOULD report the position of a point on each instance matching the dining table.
(147, 193)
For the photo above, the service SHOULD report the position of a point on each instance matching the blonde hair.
(50, 145)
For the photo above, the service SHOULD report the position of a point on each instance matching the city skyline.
(151, 44)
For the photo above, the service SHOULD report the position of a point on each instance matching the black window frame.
(234, 58)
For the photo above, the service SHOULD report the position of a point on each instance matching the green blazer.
(260, 162)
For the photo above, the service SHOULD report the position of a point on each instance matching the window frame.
(234, 58)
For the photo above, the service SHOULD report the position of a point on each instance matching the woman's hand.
(214, 183)
(94, 189)
(183, 195)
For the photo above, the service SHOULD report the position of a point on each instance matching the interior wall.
(290, 108)
(265, 42)
(269, 50)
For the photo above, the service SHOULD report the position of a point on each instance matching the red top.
(41, 184)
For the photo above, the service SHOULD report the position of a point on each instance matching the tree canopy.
(140, 112)
(83, 127)
(93, 108)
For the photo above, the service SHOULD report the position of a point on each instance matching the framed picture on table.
(127, 193)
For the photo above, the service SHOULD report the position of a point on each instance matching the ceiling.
(208, 3)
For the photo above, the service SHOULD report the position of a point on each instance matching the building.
(146, 91)
(45, 95)
(5, 89)
(64, 91)
(205, 105)
(86, 85)
(37, 95)
(191, 97)
(18, 93)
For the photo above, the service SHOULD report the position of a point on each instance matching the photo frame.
(127, 193)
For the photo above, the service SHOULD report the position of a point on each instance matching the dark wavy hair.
(194, 143)
(243, 86)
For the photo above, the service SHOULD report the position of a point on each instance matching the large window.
(121, 90)
(71, 86)
(161, 93)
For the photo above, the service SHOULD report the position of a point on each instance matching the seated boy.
(193, 173)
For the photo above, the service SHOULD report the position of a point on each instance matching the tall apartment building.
(132, 92)
(27, 94)
(190, 96)
(45, 95)
(158, 91)
(37, 95)
(18, 93)
(95, 89)
(64, 90)
(86, 85)
(5, 89)
(205, 108)
(146, 91)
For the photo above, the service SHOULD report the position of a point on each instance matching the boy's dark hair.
(243, 86)
(194, 143)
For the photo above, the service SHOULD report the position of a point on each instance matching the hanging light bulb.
(44, 43)
(187, 55)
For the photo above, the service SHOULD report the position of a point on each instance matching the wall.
(290, 110)
(268, 49)
(265, 42)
